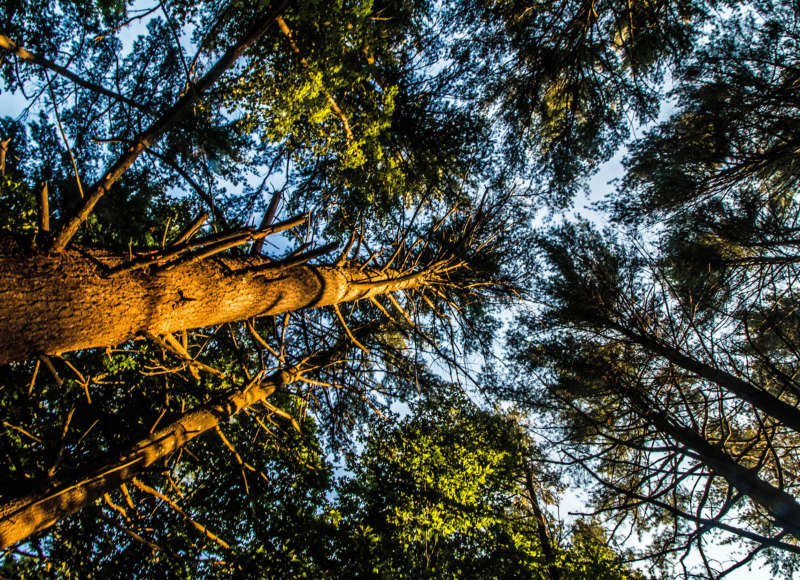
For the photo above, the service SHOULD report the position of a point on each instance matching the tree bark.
(35, 512)
(50, 304)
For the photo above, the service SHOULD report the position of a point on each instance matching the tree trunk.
(59, 303)
(780, 505)
(760, 399)
(541, 525)
(37, 511)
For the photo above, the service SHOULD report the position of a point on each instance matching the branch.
(772, 542)
(296, 49)
(44, 209)
(199, 527)
(64, 135)
(186, 235)
(281, 413)
(272, 209)
(347, 329)
(176, 113)
(9, 45)
(169, 344)
(49, 366)
(211, 245)
(242, 463)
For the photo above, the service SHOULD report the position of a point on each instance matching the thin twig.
(64, 135)
(347, 329)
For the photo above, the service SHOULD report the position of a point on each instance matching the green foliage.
(736, 122)
(565, 77)
(440, 496)
(365, 112)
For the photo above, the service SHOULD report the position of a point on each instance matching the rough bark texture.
(58, 303)
(38, 511)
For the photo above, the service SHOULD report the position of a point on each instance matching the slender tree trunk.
(37, 511)
(781, 505)
(174, 114)
(58, 303)
(541, 525)
(760, 399)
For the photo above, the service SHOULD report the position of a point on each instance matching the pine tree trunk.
(781, 505)
(758, 398)
(59, 303)
(37, 511)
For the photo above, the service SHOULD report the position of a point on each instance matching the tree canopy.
(291, 289)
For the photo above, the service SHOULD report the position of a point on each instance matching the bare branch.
(9, 45)
(199, 527)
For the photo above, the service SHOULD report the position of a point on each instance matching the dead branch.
(347, 329)
(211, 246)
(33, 378)
(44, 209)
(3, 152)
(269, 216)
(116, 507)
(241, 462)
(190, 231)
(260, 340)
(281, 413)
(49, 366)
(343, 256)
(64, 136)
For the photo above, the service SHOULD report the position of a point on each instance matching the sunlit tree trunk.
(37, 511)
(58, 303)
